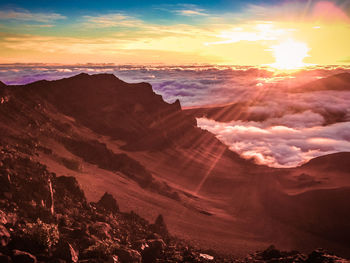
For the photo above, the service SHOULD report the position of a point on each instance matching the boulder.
(19, 256)
(160, 227)
(270, 253)
(108, 203)
(153, 251)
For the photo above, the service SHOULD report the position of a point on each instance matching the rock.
(108, 203)
(270, 253)
(4, 235)
(322, 255)
(157, 244)
(100, 230)
(160, 226)
(206, 256)
(23, 257)
(140, 245)
(128, 255)
(154, 250)
(66, 251)
(68, 191)
(5, 258)
(3, 217)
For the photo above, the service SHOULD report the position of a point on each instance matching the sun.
(289, 55)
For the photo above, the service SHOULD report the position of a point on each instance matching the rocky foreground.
(45, 218)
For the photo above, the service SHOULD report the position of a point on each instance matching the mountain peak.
(100, 76)
(2, 84)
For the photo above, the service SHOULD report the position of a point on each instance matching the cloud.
(112, 20)
(24, 15)
(191, 12)
(257, 31)
(183, 9)
(281, 145)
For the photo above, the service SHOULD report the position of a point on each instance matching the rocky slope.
(45, 218)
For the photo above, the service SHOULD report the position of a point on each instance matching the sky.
(284, 34)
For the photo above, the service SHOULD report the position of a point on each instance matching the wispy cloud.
(183, 9)
(255, 32)
(24, 15)
(191, 12)
(112, 20)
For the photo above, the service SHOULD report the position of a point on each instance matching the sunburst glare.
(290, 55)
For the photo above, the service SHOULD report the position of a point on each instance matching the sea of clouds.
(294, 127)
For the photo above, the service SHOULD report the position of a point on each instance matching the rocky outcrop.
(97, 153)
(108, 203)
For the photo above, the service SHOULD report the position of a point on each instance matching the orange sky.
(318, 30)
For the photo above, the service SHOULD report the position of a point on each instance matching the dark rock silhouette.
(108, 203)
(160, 227)
(2, 85)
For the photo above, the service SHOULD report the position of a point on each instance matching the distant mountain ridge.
(339, 82)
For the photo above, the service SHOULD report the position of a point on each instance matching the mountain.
(340, 82)
(124, 139)
(106, 108)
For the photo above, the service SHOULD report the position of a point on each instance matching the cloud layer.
(282, 145)
(292, 127)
